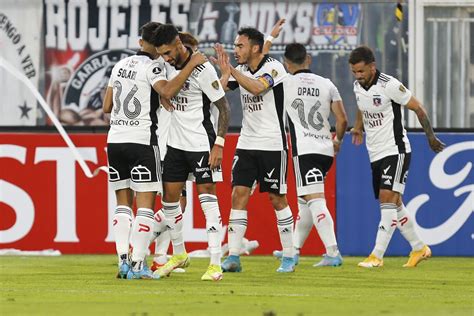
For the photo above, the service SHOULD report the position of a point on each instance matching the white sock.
(211, 211)
(285, 229)
(324, 224)
(122, 223)
(162, 241)
(406, 227)
(236, 231)
(142, 230)
(387, 225)
(174, 220)
(303, 225)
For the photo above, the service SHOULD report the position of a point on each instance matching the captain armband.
(267, 80)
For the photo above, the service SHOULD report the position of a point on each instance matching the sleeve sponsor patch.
(156, 70)
(267, 80)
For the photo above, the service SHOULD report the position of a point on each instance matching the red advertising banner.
(46, 202)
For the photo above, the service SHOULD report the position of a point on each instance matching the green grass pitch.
(86, 285)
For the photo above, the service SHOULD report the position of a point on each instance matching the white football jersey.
(164, 121)
(308, 99)
(191, 126)
(382, 114)
(136, 105)
(263, 126)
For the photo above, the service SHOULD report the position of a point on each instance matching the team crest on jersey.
(402, 88)
(274, 73)
(377, 100)
(186, 85)
(86, 87)
(215, 84)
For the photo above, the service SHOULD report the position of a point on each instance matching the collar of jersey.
(374, 82)
(187, 60)
(140, 52)
(264, 59)
(303, 71)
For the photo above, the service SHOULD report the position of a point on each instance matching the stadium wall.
(47, 202)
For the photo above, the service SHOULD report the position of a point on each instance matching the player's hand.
(197, 59)
(357, 136)
(221, 60)
(436, 145)
(277, 28)
(336, 145)
(167, 105)
(215, 158)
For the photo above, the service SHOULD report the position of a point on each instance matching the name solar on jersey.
(308, 99)
(259, 131)
(381, 107)
(135, 113)
(191, 127)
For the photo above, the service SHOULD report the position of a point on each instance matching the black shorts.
(310, 171)
(178, 164)
(390, 173)
(134, 166)
(269, 168)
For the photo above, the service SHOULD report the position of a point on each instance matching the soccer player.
(381, 99)
(261, 153)
(162, 241)
(133, 154)
(193, 146)
(309, 100)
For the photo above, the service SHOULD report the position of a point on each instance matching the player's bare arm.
(337, 108)
(107, 105)
(274, 34)
(254, 86)
(222, 61)
(415, 105)
(215, 157)
(169, 89)
(358, 130)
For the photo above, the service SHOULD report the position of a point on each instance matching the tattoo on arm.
(425, 122)
(224, 116)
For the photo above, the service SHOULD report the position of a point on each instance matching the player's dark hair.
(361, 53)
(147, 29)
(254, 35)
(164, 35)
(188, 39)
(295, 53)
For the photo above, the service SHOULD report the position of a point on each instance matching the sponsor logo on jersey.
(85, 88)
(252, 103)
(372, 119)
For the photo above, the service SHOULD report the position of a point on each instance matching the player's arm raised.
(168, 89)
(215, 158)
(358, 130)
(222, 61)
(415, 105)
(274, 34)
(107, 104)
(337, 107)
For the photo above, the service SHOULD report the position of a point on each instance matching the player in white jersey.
(193, 146)
(380, 99)
(309, 100)
(132, 147)
(261, 153)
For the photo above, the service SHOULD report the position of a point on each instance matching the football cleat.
(279, 254)
(124, 267)
(371, 262)
(329, 261)
(213, 273)
(176, 261)
(287, 265)
(155, 266)
(144, 273)
(417, 256)
(231, 264)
